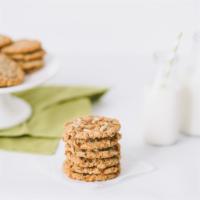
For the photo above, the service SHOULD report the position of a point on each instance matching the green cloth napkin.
(52, 107)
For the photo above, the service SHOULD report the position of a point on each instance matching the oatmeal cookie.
(91, 144)
(103, 153)
(10, 72)
(31, 65)
(89, 177)
(92, 127)
(22, 46)
(98, 163)
(5, 40)
(92, 170)
(36, 55)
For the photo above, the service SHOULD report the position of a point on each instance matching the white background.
(107, 43)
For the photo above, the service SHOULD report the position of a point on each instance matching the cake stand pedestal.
(13, 111)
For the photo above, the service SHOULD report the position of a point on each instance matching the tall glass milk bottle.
(191, 94)
(161, 111)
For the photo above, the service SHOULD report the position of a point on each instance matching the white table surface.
(106, 43)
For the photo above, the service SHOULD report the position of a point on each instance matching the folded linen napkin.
(52, 107)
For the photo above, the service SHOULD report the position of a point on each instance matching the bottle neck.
(167, 72)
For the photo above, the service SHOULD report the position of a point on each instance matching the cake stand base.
(13, 111)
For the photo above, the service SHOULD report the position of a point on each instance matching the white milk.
(190, 96)
(161, 120)
(191, 108)
(161, 116)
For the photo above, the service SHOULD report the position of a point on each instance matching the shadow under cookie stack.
(92, 149)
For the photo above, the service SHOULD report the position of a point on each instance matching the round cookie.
(10, 72)
(22, 46)
(36, 55)
(89, 177)
(92, 127)
(93, 144)
(31, 65)
(105, 153)
(5, 40)
(99, 163)
(92, 170)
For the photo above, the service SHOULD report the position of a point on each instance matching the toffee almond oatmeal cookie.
(36, 55)
(22, 46)
(31, 65)
(10, 72)
(92, 170)
(92, 144)
(98, 163)
(90, 177)
(92, 128)
(103, 153)
(92, 148)
(4, 41)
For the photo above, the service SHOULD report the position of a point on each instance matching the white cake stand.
(13, 110)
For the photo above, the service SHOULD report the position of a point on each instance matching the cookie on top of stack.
(92, 148)
(28, 53)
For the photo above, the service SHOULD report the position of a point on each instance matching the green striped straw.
(171, 61)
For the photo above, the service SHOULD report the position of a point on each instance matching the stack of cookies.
(18, 58)
(28, 54)
(92, 149)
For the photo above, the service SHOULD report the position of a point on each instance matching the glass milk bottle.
(191, 94)
(161, 111)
